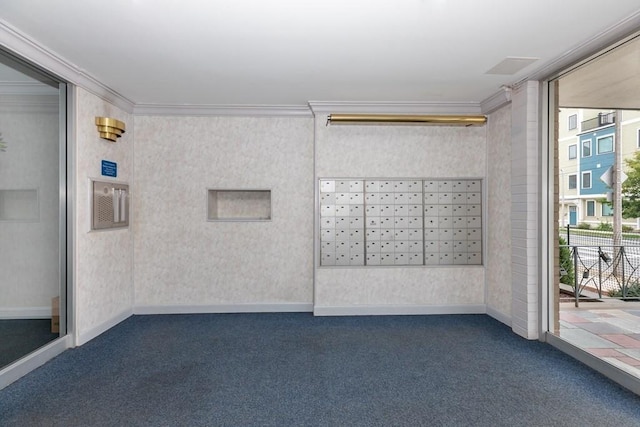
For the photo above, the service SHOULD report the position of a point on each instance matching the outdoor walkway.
(608, 330)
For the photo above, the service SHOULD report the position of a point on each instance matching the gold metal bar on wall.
(400, 119)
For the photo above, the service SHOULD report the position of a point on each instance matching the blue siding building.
(596, 156)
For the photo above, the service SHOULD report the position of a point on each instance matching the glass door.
(32, 209)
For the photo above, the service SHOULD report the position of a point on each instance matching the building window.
(573, 150)
(607, 210)
(573, 182)
(591, 208)
(605, 144)
(586, 148)
(586, 180)
(573, 121)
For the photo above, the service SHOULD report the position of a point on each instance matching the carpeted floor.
(19, 337)
(298, 370)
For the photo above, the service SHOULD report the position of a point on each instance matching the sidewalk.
(608, 330)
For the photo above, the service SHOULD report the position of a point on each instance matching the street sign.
(607, 177)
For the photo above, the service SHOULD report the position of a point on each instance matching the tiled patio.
(608, 330)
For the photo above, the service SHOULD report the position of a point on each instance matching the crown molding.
(222, 110)
(583, 52)
(496, 101)
(345, 107)
(23, 46)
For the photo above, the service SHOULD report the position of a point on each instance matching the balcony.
(602, 119)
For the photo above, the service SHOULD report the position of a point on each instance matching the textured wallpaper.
(181, 259)
(402, 152)
(498, 255)
(104, 269)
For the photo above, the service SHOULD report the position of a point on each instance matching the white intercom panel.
(110, 205)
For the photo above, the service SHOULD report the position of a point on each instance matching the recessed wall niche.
(408, 222)
(238, 205)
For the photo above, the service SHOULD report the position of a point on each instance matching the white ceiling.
(288, 52)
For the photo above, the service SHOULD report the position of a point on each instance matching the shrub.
(627, 228)
(583, 226)
(566, 262)
(633, 291)
(605, 226)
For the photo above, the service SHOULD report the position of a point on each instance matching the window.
(573, 182)
(573, 151)
(573, 121)
(586, 148)
(586, 179)
(591, 208)
(607, 210)
(605, 144)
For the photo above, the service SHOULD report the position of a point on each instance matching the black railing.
(606, 271)
(602, 119)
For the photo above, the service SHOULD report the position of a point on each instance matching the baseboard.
(499, 316)
(224, 308)
(23, 366)
(7, 313)
(85, 337)
(379, 310)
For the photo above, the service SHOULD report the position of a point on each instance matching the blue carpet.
(293, 369)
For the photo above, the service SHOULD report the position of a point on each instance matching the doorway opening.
(33, 210)
(595, 297)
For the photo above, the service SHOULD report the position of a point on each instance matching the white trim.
(496, 101)
(223, 110)
(393, 309)
(23, 46)
(582, 53)
(612, 136)
(25, 313)
(325, 107)
(582, 187)
(499, 316)
(85, 337)
(582, 156)
(23, 366)
(224, 308)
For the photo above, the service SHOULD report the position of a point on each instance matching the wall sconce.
(400, 119)
(110, 129)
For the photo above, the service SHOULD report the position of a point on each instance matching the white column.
(525, 198)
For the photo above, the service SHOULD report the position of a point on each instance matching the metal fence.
(601, 271)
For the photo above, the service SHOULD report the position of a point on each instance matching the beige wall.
(399, 151)
(184, 262)
(103, 259)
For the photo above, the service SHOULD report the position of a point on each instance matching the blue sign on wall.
(109, 168)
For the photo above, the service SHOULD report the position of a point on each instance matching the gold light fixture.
(110, 129)
(401, 119)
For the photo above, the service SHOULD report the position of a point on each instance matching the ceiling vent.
(511, 65)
